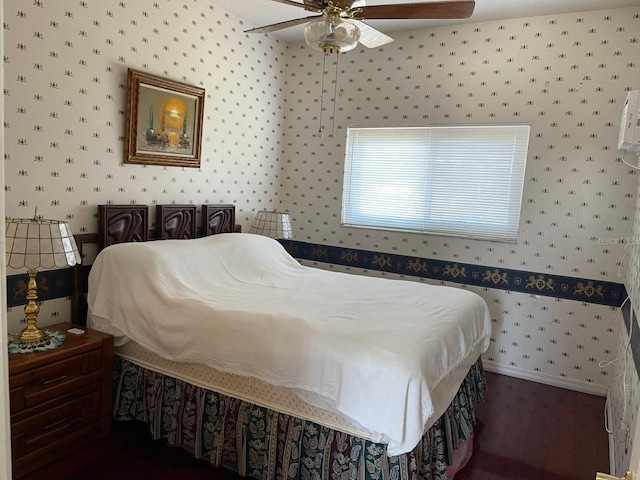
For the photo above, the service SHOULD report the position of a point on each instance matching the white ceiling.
(258, 13)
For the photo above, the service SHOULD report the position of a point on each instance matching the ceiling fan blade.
(282, 25)
(425, 10)
(343, 4)
(370, 37)
(292, 3)
(316, 5)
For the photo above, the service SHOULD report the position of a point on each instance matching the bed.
(263, 375)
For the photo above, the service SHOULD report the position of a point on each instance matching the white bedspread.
(372, 349)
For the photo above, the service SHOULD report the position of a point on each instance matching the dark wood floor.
(530, 432)
(537, 432)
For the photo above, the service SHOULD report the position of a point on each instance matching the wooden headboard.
(130, 223)
(176, 221)
(218, 219)
(122, 223)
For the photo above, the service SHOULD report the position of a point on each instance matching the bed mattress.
(264, 394)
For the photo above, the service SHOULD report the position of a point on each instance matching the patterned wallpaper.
(566, 75)
(65, 88)
(65, 74)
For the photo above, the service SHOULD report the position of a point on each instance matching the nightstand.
(60, 399)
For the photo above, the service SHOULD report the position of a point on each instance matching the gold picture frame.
(163, 121)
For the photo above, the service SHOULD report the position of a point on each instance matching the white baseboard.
(577, 385)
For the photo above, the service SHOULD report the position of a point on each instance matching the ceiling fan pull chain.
(335, 97)
(319, 134)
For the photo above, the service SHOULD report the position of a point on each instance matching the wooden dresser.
(60, 399)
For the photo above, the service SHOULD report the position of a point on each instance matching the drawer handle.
(55, 424)
(54, 380)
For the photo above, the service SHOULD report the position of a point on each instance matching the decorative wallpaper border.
(51, 284)
(57, 283)
(557, 286)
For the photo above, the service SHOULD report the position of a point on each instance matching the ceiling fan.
(338, 27)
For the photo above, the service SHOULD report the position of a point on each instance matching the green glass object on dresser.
(60, 399)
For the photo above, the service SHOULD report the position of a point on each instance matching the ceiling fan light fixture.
(332, 35)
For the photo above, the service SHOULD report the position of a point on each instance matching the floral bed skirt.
(261, 443)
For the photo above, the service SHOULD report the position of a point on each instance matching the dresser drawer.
(69, 422)
(48, 382)
(42, 431)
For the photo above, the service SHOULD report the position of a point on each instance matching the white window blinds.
(450, 180)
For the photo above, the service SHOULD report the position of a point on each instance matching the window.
(449, 180)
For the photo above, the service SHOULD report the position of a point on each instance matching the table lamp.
(272, 224)
(36, 243)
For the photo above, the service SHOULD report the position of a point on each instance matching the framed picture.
(163, 121)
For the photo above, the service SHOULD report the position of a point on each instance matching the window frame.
(508, 203)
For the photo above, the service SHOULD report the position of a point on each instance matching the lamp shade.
(332, 34)
(37, 243)
(272, 224)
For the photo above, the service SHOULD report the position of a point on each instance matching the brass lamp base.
(32, 339)
(32, 333)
